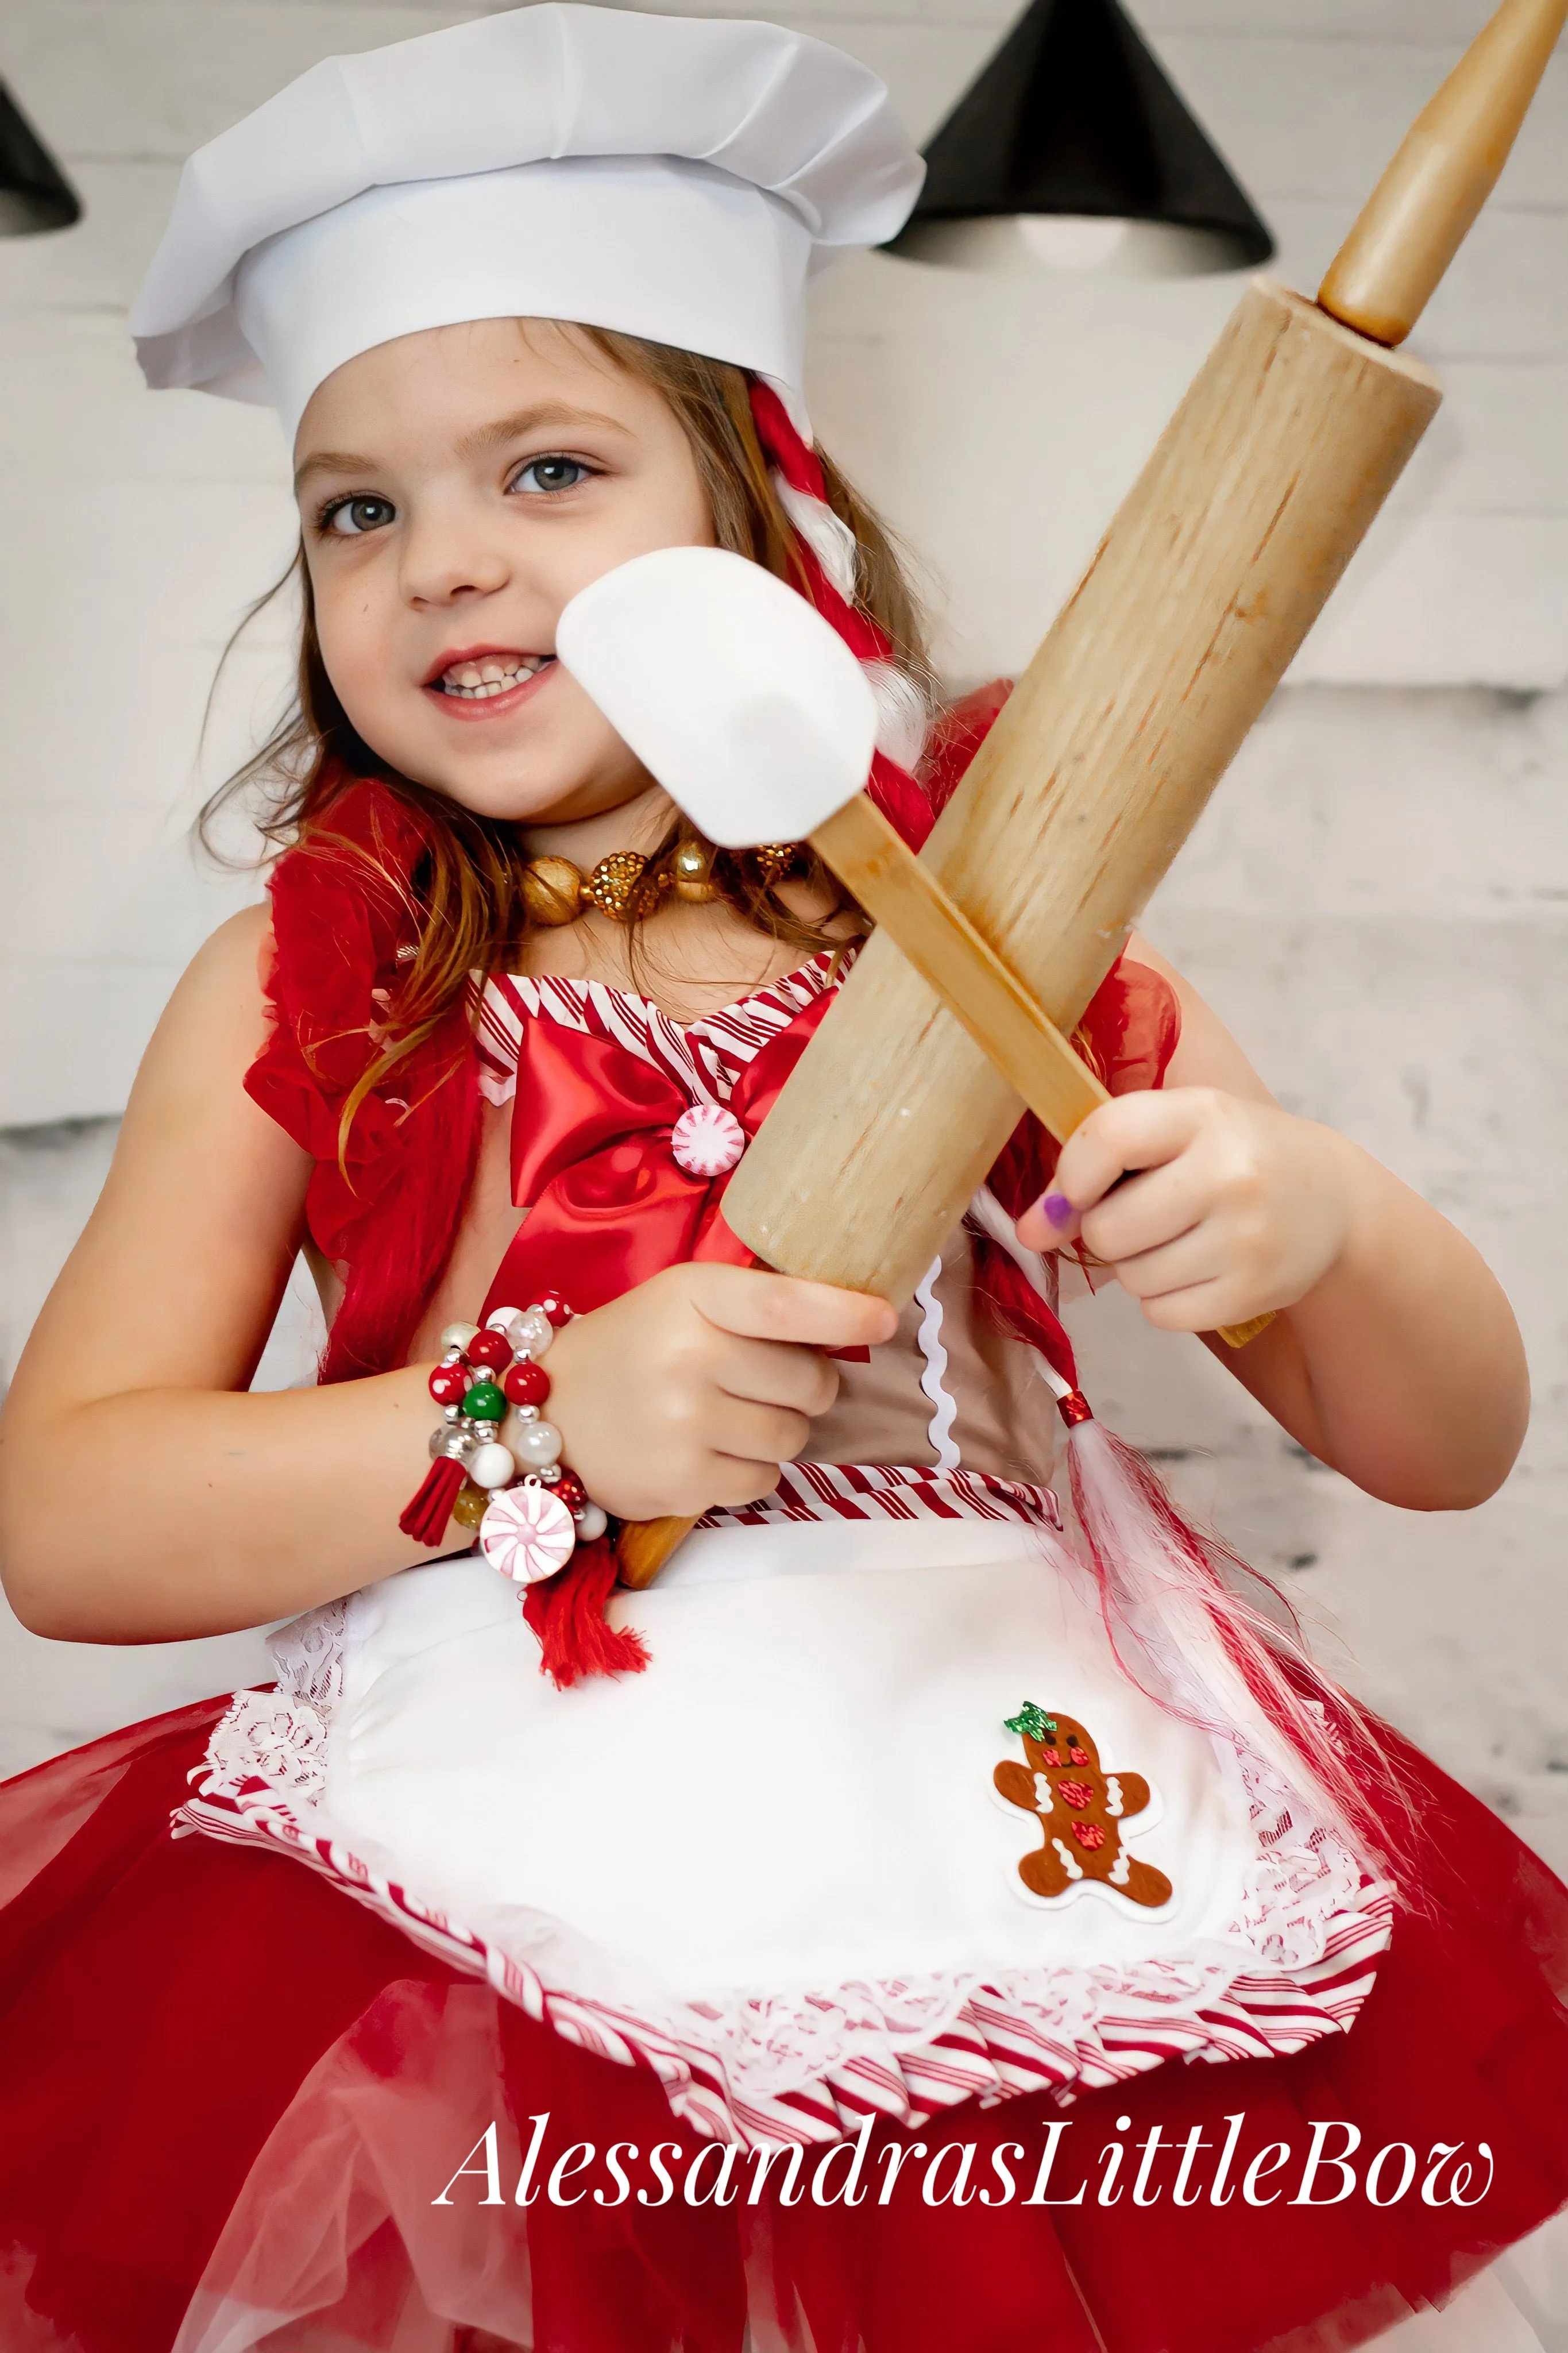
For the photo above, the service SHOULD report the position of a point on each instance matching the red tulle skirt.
(233, 2102)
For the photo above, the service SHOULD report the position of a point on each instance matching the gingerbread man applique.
(1079, 1808)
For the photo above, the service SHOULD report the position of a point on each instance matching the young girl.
(820, 1948)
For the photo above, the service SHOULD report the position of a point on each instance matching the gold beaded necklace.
(555, 890)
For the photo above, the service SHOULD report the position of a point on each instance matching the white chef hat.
(674, 177)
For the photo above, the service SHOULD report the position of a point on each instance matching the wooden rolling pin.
(1211, 574)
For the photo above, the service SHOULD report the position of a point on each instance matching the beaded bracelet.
(531, 1511)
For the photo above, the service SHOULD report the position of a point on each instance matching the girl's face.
(457, 488)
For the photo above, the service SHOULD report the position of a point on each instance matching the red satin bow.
(609, 1204)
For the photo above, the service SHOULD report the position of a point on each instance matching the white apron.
(776, 1864)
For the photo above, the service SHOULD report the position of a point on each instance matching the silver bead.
(457, 1441)
(538, 1444)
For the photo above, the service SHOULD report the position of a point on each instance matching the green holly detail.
(1031, 1721)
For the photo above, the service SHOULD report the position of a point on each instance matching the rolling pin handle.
(643, 1546)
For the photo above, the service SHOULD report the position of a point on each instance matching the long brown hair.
(470, 907)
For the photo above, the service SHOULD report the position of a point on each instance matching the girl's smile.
(487, 682)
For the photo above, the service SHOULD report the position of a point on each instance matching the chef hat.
(678, 178)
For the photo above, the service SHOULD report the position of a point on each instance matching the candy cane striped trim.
(1067, 2030)
(888, 1490)
(705, 1056)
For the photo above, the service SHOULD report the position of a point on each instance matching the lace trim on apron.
(1297, 1961)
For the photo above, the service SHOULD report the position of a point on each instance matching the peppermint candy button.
(527, 1533)
(707, 1140)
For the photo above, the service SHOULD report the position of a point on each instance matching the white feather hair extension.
(830, 538)
(903, 714)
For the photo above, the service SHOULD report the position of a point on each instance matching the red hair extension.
(896, 793)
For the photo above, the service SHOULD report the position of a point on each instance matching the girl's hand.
(1239, 1207)
(693, 1388)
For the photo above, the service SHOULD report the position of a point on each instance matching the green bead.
(484, 1402)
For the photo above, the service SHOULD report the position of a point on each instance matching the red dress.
(169, 2006)
(228, 2091)
(239, 2107)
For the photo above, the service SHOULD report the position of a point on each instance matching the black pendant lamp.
(34, 192)
(1073, 152)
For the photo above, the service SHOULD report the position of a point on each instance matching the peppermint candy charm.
(527, 1533)
(708, 1140)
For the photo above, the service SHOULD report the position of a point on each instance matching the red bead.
(490, 1349)
(448, 1384)
(571, 1490)
(526, 1382)
(555, 1307)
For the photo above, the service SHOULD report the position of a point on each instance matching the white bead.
(502, 1320)
(590, 1521)
(707, 1141)
(527, 1533)
(490, 1466)
(538, 1444)
(458, 1336)
(531, 1333)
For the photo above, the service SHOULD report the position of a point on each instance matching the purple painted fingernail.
(1058, 1208)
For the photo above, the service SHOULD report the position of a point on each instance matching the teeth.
(495, 674)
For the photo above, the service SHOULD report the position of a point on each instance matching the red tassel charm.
(426, 1517)
(567, 1613)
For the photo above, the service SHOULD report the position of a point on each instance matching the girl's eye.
(351, 517)
(541, 475)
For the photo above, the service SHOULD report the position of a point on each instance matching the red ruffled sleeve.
(384, 1194)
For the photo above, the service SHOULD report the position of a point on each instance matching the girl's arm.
(146, 1495)
(1396, 1358)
